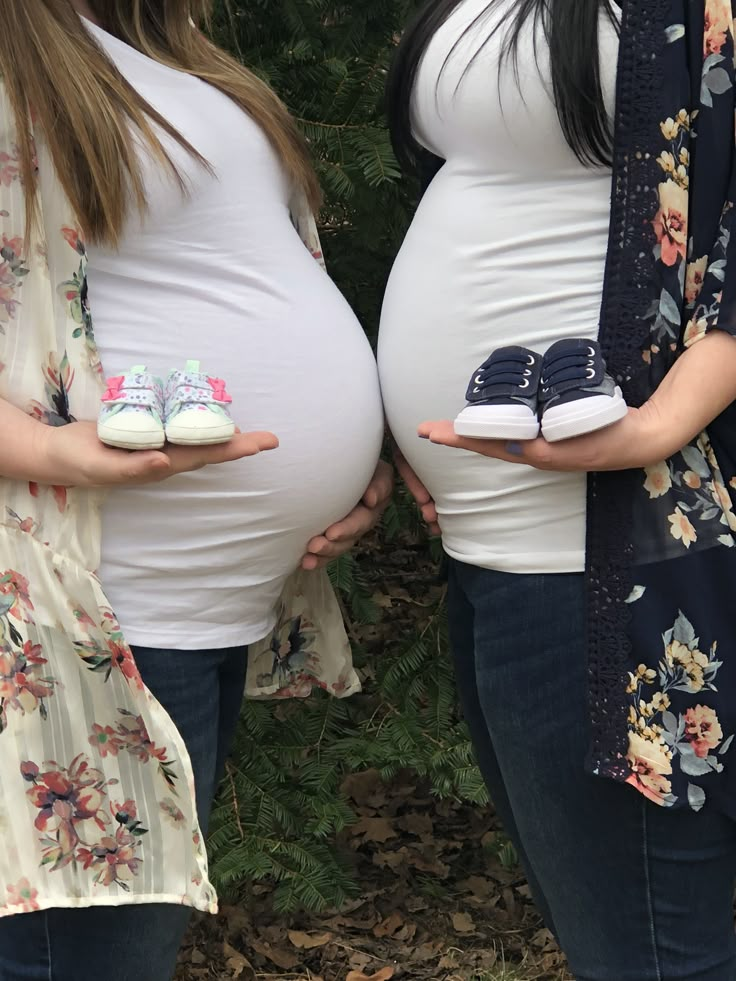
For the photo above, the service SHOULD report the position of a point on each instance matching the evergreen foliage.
(328, 60)
(281, 809)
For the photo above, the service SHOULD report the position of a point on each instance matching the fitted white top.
(220, 275)
(508, 247)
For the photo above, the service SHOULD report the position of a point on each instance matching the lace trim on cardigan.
(624, 331)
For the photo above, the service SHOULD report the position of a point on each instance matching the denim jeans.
(202, 691)
(632, 891)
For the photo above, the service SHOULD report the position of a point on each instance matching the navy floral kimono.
(661, 562)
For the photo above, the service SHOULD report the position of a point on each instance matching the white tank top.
(220, 275)
(508, 247)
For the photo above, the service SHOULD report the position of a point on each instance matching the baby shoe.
(131, 415)
(576, 394)
(502, 397)
(196, 410)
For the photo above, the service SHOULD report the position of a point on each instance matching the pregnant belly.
(214, 547)
(453, 297)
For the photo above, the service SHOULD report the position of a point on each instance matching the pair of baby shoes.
(142, 412)
(565, 393)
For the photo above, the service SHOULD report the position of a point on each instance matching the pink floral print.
(74, 815)
(130, 735)
(105, 649)
(9, 166)
(80, 735)
(22, 896)
(702, 730)
(662, 743)
(24, 683)
(14, 596)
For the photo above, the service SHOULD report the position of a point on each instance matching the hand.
(696, 389)
(342, 536)
(638, 440)
(418, 491)
(73, 456)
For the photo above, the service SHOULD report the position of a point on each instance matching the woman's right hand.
(418, 491)
(73, 456)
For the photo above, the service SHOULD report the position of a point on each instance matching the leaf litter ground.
(442, 899)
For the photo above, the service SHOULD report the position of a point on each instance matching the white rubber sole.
(130, 439)
(583, 416)
(497, 422)
(185, 436)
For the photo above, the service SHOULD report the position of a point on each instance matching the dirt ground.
(443, 898)
(440, 903)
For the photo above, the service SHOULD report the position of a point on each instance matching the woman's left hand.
(640, 439)
(697, 388)
(342, 536)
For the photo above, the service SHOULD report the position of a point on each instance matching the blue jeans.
(632, 891)
(202, 691)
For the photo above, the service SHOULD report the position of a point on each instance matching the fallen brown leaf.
(480, 887)
(365, 788)
(359, 961)
(463, 922)
(390, 926)
(383, 975)
(391, 860)
(427, 861)
(237, 963)
(421, 825)
(448, 961)
(285, 959)
(308, 941)
(374, 829)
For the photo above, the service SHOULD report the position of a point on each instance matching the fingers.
(443, 433)
(419, 492)
(321, 551)
(381, 487)
(612, 448)
(343, 534)
(340, 537)
(186, 458)
(312, 562)
(416, 488)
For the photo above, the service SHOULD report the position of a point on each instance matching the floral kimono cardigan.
(96, 788)
(661, 562)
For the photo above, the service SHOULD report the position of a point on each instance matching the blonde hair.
(53, 69)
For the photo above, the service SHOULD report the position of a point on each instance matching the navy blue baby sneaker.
(566, 393)
(576, 395)
(502, 397)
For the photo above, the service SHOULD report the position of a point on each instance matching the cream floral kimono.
(96, 787)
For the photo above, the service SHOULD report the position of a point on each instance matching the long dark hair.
(571, 30)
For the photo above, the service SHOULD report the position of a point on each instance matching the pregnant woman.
(572, 199)
(150, 182)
